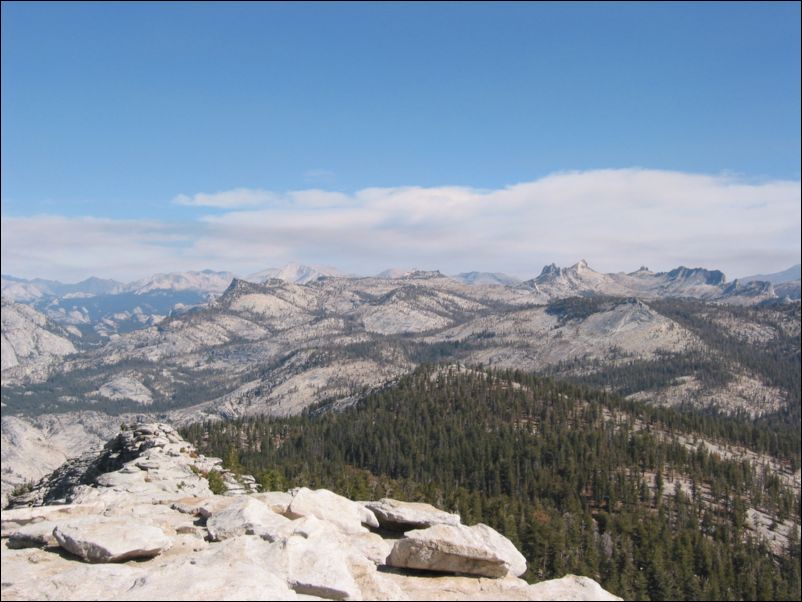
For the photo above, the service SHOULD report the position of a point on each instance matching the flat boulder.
(477, 550)
(15, 518)
(33, 535)
(39, 575)
(110, 539)
(345, 514)
(395, 515)
(232, 570)
(245, 516)
(316, 559)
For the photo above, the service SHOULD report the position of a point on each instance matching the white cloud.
(238, 197)
(617, 219)
(72, 248)
(251, 197)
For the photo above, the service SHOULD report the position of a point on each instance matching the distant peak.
(422, 274)
(750, 288)
(700, 275)
(295, 272)
(788, 275)
(487, 278)
(550, 269)
(642, 271)
(238, 285)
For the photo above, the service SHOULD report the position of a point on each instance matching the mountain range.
(104, 308)
(580, 276)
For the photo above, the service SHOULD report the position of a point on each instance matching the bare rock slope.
(139, 522)
(29, 339)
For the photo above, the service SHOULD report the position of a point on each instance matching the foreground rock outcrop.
(140, 522)
(403, 516)
(477, 550)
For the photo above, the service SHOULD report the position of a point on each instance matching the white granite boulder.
(246, 516)
(110, 539)
(347, 515)
(315, 559)
(231, 570)
(476, 550)
(33, 535)
(15, 518)
(395, 515)
(33, 574)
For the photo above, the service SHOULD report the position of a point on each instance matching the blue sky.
(131, 117)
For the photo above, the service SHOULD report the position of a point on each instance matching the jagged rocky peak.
(697, 275)
(553, 274)
(141, 523)
(752, 287)
(549, 271)
(274, 282)
(749, 293)
(422, 275)
(239, 286)
(580, 266)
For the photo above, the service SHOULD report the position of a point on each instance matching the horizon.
(410, 269)
(142, 138)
